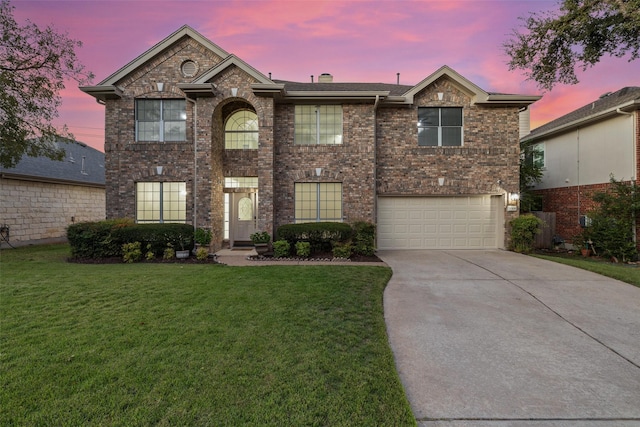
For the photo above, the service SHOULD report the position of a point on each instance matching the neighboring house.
(581, 150)
(40, 197)
(194, 134)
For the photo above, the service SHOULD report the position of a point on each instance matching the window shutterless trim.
(162, 121)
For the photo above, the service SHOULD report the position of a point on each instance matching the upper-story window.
(537, 155)
(161, 120)
(241, 131)
(318, 124)
(440, 127)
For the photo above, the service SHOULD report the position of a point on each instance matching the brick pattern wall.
(39, 210)
(487, 163)
(569, 203)
(351, 163)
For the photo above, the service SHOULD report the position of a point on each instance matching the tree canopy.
(552, 44)
(34, 64)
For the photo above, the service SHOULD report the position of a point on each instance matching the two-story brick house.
(194, 134)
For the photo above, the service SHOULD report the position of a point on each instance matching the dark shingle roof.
(394, 89)
(82, 164)
(604, 103)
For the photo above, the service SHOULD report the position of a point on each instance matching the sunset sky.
(364, 41)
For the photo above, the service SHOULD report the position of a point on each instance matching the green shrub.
(150, 256)
(341, 250)
(131, 252)
(202, 254)
(95, 240)
(364, 238)
(260, 237)
(281, 249)
(523, 232)
(612, 222)
(320, 235)
(202, 236)
(169, 253)
(104, 239)
(303, 249)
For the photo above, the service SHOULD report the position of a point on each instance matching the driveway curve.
(495, 338)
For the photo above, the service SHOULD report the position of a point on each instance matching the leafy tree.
(579, 33)
(34, 65)
(530, 174)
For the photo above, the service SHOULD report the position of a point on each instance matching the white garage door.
(440, 222)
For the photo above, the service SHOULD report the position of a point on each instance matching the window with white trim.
(315, 202)
(161, 120)
(241, 131)
(440, 127)
(318, 124)
(161, 202)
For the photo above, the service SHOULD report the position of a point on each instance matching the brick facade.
(569, 204)
(379, 154)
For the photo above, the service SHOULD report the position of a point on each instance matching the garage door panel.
(438, 222)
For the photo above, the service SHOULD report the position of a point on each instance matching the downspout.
(375, 159)
(195, 161)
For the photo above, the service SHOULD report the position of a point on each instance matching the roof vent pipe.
(397, 78)
(311, 78)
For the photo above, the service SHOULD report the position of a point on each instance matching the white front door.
(244, 216)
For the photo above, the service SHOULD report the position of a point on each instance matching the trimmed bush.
(104, 239)
(95, 240)
(523, 232)
(281, 249)
(303, 249)
(364, 238)
(320, 235)
(131, 252)
(341, 250)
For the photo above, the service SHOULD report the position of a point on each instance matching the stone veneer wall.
(351, 163)
(40, 210)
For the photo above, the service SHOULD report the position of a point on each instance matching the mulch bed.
(212, 260)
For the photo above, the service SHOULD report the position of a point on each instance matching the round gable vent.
(189, 68)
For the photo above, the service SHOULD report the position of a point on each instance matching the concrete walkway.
(494, 338)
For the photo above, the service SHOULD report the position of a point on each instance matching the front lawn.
(624, 272)
(174, 344)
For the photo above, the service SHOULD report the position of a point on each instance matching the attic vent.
(604, 95)
(189, 68)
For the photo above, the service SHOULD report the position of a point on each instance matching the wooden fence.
(545, 239)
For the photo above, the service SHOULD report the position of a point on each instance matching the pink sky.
(365, 41)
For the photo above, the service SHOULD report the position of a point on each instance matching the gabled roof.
(478, 95)
(82, 165)
(106, 89)
(184, 31)
(286, 90)
(626, 99)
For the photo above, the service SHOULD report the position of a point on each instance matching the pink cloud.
(366, 41)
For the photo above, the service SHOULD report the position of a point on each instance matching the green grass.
(172, 344)
(624, 272)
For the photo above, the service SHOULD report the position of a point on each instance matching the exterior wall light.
(160, 86)
(158, 170)
(441, 181)
(440, 96)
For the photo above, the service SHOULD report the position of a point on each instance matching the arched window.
(241, 131)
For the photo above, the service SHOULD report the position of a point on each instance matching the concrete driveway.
(494, 338)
